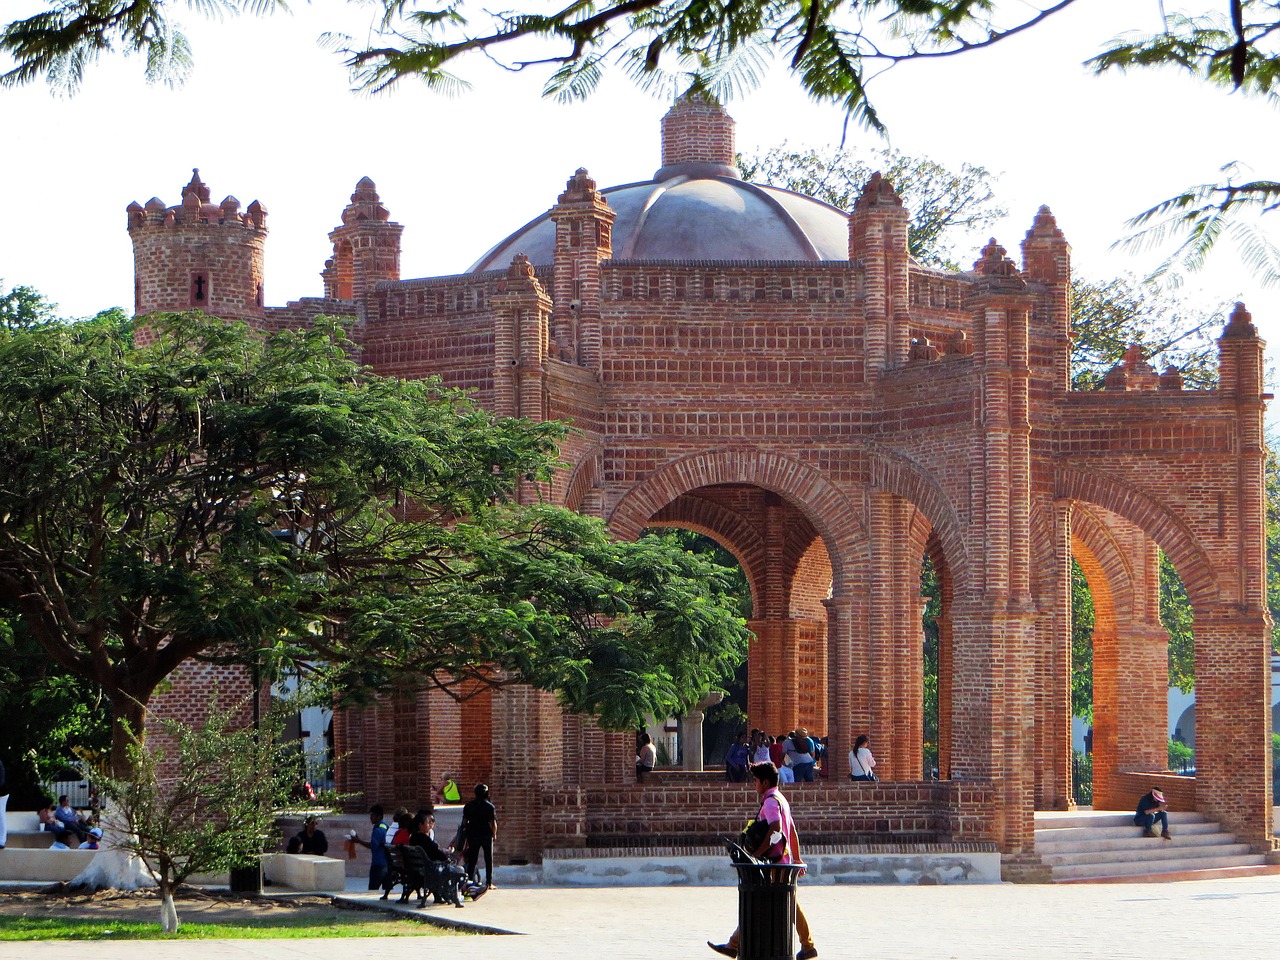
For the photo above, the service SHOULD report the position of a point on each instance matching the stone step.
(1220, 873)
(1153, 868)
(1131, 845)
(1169, 852)
(1053, 839)
(1054, 821)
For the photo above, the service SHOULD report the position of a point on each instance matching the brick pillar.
(527, 757)
(773, 675)
(1046, 257)
(1233, 721)
(996, 633)
(1233, 696)
(522, 313)
(848, 677)
(584, 231)
(1053, 668)
(366, 248)
(878, 240)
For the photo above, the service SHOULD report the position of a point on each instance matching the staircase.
(1103, 846)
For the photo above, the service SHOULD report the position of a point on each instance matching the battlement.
(198, 255)
(196, 209)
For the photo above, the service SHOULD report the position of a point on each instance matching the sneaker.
(723, 949)
(806, 953)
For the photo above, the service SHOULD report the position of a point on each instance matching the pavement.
(1233, 919)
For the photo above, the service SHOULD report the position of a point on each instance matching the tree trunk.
(168, 912)
(114, 869)
(128, 723)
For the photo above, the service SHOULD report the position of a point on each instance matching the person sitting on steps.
(1150, 809)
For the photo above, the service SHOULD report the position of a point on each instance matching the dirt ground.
(194, 906)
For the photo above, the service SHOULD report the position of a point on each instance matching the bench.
(25, 832)
(304, 872)
(43, 866)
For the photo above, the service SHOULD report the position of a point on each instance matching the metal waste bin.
(766, 909)
(247, 879)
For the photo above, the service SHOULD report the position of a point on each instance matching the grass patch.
(283, 927)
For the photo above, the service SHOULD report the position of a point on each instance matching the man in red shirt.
(781, 845)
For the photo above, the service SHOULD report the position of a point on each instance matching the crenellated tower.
(198, 255)
(366, 248)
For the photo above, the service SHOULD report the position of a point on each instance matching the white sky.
(268, 116)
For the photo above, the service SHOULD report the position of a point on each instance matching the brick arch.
(727, 528)
(1153, 518)
(811, 582)
(905, 478)
(582, 478)
(838, 524)
(1105, 564)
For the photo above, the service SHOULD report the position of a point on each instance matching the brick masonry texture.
(831, 423)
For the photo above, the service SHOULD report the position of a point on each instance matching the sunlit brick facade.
(831, 417)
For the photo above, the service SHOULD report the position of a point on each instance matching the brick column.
(1233, 721)
(527, 757)
(1053, 668)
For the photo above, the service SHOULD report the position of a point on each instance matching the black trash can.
(247, 879)
(766, 909)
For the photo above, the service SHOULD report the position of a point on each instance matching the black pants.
(474, 846)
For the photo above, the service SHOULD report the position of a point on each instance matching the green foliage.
(1176, 616)
(25, 308)
(931, 590)
(206, 803)
(1107, 318)
(265, 499)
(946, 206)
(1237, 48)
(1181, 756)
(1082, 621)
(48, 714)
(1271, 480)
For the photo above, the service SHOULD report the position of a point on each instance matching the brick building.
(779, 374)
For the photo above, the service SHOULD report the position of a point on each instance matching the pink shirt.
(774, 808)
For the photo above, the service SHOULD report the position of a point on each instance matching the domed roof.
(691, 217)
(697, 208)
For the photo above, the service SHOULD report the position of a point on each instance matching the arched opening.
(1131, 641)
(787, 573)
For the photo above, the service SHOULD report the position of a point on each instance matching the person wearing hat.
(800, 755)
(91, 843)
(1150, 809)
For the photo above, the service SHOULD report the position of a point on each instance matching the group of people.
(72, 830)
(796, 756)
(475, 835)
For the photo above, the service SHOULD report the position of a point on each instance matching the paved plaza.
(1205, 920)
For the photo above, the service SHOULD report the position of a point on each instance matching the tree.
(946, 206)
(204, 804)
(25, 307)
(218, 493)
(673, 47)
(1110, 316)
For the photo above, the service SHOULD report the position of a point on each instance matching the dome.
(697, 208)
(698, 217)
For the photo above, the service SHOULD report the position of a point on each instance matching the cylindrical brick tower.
(198, 255)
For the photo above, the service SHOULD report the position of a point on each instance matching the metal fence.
(1082, 778)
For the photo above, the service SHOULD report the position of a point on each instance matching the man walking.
(780, 845)
(377, 844)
